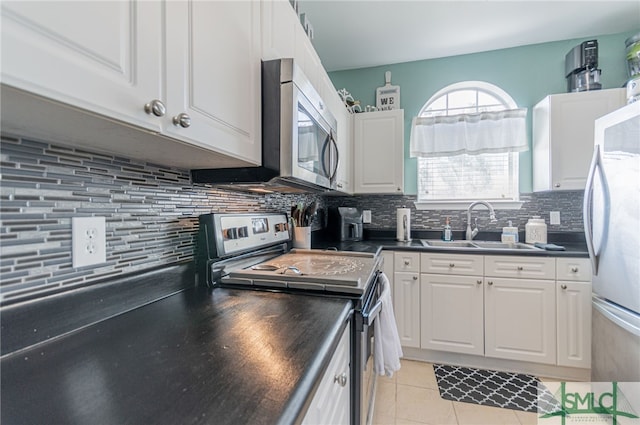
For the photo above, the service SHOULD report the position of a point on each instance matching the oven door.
(370, 310)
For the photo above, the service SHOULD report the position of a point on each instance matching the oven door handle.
(370, 317)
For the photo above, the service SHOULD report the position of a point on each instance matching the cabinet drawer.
(407, 261)
(458, 264)
(520, 267)
(576, 269)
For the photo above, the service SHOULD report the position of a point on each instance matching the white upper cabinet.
(378, 150)
(187, 73)
(563, 127)
(279, 29)
(100, 56)
(213, 75)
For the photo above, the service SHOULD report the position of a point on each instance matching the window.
(460, 177)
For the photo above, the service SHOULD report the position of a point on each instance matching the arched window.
(462, 177)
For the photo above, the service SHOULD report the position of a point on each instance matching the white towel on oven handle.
(387, 347)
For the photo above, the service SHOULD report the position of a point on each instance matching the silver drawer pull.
(574, 270)
(479, 282)
(520, 268)
(340, 379)
(452, 265)
(407, 262)
(563, 286)
(490, 283)
(415, 277)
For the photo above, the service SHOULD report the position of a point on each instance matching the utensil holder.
(302, 237)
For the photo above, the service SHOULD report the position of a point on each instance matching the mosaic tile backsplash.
(152, 214)
(383, 212)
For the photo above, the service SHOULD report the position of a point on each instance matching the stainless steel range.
(252, 251)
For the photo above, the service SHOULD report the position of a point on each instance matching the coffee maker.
(581, 67)
(346, 223)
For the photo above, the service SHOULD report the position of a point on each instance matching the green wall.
(527, 73)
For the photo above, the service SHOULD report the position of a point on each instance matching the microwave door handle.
(335, 165)
(323, 156)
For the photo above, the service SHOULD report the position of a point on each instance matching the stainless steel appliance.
(346, 223)
(251, 251)
(299, 149)
(581, 67)
(612, 227)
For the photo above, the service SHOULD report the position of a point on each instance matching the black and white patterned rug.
(514, 391)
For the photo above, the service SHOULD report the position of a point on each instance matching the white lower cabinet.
(406, 296)
(331, 402)
(529, 309)
(520, 319)
(452, 313)
(573, 302)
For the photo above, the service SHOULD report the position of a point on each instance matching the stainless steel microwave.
(299, 148)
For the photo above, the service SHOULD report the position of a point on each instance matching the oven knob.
(340, 379)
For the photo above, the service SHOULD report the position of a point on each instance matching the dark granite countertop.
(221, 356)
(375, 240)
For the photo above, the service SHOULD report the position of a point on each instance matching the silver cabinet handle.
(340, 379)
(452, 265)
(415, 277)
(574, 270)
(557, 185)
(479, 282)
(520, 268)
(563, 286)
(490, 283)
(182, 120)
(407, 262)
(155, 107)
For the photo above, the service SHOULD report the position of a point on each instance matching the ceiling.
(362, 33)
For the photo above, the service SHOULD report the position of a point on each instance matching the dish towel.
(387, 348)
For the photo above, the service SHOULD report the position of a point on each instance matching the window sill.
(463, 205)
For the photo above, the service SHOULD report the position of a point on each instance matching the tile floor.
(411, 396)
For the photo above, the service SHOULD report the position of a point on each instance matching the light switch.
(554, 217)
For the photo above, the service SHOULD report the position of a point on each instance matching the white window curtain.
(484, 132)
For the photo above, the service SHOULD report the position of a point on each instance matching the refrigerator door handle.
(596, 165)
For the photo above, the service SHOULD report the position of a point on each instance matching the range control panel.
(237, 233)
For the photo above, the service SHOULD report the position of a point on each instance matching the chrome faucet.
(492, 216)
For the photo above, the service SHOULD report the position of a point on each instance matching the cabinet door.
(563, 126)
(213, 75)
(520, 319)
(574, 323)
(407, 307)
(104, 57)
(378, 151)
(331, 402)
(279, 22)
(452, 317)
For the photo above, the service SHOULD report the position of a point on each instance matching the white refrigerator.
(612, 228)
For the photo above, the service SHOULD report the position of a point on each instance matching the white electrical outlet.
(366, 216)
(88, 241)
(554, 217)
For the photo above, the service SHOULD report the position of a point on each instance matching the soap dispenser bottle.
(446, 231)
(509, 234)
